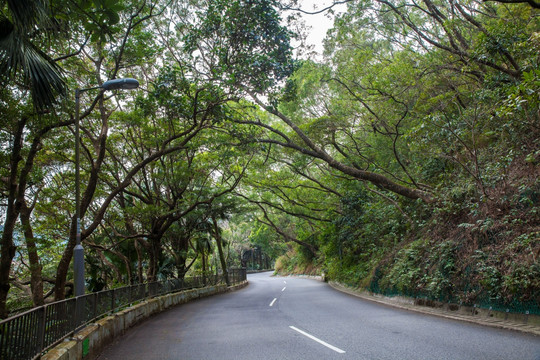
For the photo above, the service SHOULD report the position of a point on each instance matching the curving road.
(292, 318)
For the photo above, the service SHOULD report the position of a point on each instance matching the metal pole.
(78, 252)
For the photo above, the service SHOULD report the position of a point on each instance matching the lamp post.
(78, 251)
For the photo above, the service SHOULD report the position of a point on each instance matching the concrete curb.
(258, 271)
(88, 343)
(242, 285)
(312, 277)
(481, 316)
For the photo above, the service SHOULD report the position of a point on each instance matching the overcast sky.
(319, 23)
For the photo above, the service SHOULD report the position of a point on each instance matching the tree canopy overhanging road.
(295, 318)
(404, 159)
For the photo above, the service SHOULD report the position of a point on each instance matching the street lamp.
(78, 251)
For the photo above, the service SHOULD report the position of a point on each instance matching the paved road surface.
(290, 318)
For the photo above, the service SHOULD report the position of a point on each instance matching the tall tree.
(24, 27)
(113, 58)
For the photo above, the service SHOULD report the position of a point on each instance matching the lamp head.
(115, 84)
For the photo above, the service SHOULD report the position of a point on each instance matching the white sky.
(319, 23)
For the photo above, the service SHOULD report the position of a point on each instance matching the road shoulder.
(409, 304)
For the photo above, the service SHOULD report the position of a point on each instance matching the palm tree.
(20, 58)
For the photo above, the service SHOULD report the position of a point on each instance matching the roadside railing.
(27, 335)
(482, 301)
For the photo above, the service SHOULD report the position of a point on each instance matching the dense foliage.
(406, 159)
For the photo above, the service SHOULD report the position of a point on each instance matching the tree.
(381, 97)
(98, 132)
(290, 194)
(240, 44)
(23, 28)
(221, 65)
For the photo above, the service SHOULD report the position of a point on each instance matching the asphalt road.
(291, 318)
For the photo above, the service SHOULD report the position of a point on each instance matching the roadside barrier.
(26, 336)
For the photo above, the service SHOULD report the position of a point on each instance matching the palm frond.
(26, 14)
(40, 72)
(44, 76)
(10, 54)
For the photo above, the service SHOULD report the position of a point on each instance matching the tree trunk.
(129, 270)
(63, 264)
(219, 243)
(8, 248)
(315, 151)
(203, 254)
(111, 265)
(155, 256)
(36, 280)
(180, 256)
(6, 257)
(15, 200)
(139, 262)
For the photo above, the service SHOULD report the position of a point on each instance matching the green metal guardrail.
(483, 302)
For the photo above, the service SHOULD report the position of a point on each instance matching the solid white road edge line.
(283, 288)
(273, 301)
(336, 349)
